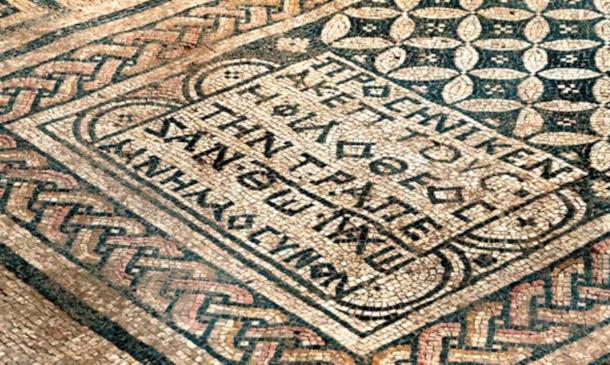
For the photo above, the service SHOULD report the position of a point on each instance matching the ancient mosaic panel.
(340, 181)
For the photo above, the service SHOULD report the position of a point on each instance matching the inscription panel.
(348, 184)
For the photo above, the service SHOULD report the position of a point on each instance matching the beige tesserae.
(341, 182)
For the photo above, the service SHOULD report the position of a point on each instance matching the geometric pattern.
(535, 316)
(525, 321)
(532, 71)
(93, 125)
(177, 285)
(128, 54)
(535, 69)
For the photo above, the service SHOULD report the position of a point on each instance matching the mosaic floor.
(343, 182)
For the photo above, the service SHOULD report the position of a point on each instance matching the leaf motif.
(535, 59)
(568, 73)
(528, 122)
(471, 5)
(439, 13)
(390, 59)
(537, 5)
(402, 28)
(602, 29)
(602, 59)
(506, 14)
(337, 27)
(570, 45)
(406, 5)
(498, 74)
(600, 156)
(372, 13)
(489, 105)
(600, 122)
(466, 58)
(565, 106)
(362, 43)
(601, 90)
(602, 5)
(563, 139)
(457, 89)
(470, 28)
(536, 29)
(423, 73)
(502, 44)
(530, 89)
(572, 14)
(432, 42)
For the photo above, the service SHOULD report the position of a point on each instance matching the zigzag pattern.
(183, 290)
(125, 55)
(538, 313)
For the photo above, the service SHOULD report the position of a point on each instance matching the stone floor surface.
(344, 182)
